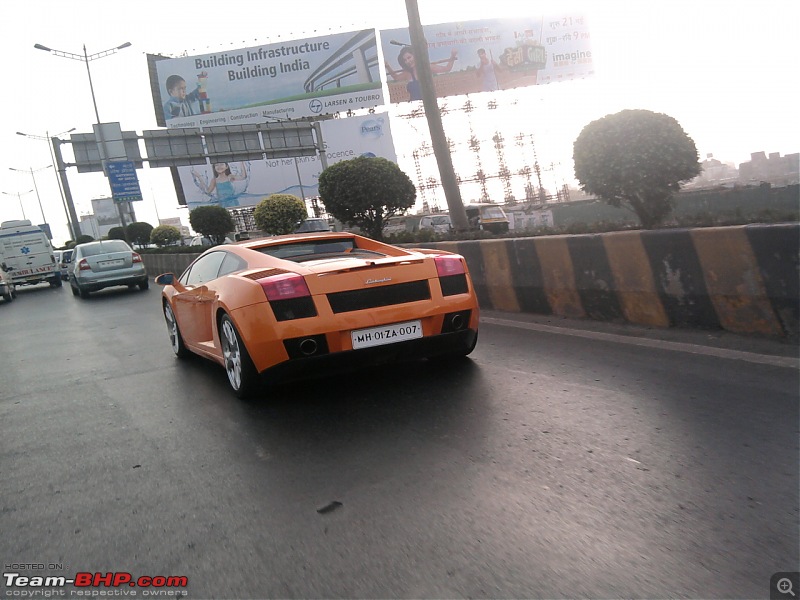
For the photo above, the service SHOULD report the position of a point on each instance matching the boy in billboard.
(408, 70)
(179, 103)
(486, 72)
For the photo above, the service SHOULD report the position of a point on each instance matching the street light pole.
(19, 197)
(71, 224)
(433, 115)
(87, 58)
(91, 88)
(35, 187)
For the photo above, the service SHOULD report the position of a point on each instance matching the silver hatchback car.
(107, 263)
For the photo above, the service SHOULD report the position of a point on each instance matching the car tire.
(242, 375)
(175, 337)
(56, 281)
(144, 285)
(8, 297)
(83, 293)
(74, 290)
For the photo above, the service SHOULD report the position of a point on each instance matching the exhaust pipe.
(308, 346)
(457, 322)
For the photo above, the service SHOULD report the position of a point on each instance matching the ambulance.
(26, 255)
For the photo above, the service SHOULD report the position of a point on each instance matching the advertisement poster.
(288, 80)
(489, 55)
(247, 183)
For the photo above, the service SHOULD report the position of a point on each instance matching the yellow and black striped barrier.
(743, 279)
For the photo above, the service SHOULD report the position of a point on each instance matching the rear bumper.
(98, 281)
(35, 278)
(323, 365)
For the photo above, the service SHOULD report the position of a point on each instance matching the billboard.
(489, 55)
(288, 80)
(104, 217)
(246, 183)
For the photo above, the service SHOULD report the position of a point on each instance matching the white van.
(26, 254)
(439, 223)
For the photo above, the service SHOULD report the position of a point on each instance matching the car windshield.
(104, 247)
(493, 213)
(316, 249)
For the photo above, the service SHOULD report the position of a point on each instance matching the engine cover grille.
(385, 295)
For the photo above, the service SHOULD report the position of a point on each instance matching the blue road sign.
(123, 180)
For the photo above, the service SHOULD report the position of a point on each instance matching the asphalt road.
(562, 460)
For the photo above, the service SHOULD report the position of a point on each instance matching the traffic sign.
(123, 180)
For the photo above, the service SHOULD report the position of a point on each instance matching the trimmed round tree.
(365, 192)
(165, 235)
(116, 233)
(139, 233)
(212, 221)
(278, 214)
(635, 159)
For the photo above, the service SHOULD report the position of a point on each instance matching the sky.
(727, 71)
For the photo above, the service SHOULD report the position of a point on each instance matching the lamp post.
(87, 58)
(19, 197)
(35, 187)
(74, 231)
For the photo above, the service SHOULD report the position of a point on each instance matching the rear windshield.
(493, 213)
(317, 249)
(104, 247)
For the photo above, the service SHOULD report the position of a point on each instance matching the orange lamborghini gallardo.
(292, 306)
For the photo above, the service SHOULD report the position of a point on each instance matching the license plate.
(386, 334)
(111, 263)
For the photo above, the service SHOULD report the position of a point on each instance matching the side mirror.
(165, 279)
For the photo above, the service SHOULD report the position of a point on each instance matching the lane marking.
(763, 359)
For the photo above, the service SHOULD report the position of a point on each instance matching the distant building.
(104, 217)
(176, 222)
(714, 173)
(775, 169)
(90, 226)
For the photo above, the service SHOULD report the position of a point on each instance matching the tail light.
(84, 265)
(289, 296)
(448, 265)
(137, 258)
(284, 287)
(452, 276)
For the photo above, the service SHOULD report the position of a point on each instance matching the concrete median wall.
(743, 279)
